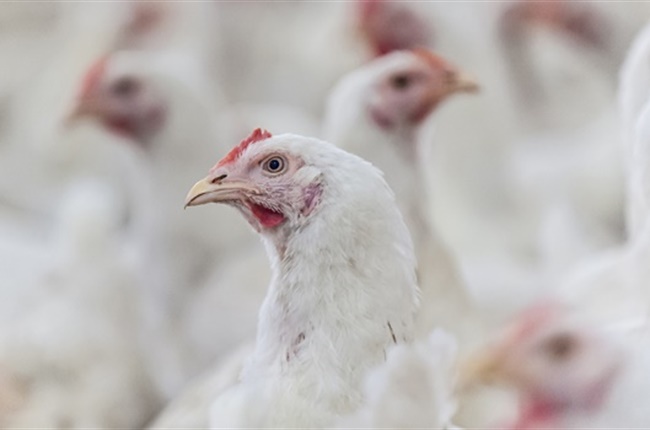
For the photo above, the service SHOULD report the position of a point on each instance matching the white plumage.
(413, 389)
(115, 298)
(305, 371)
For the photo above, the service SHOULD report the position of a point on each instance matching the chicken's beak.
(482, 367)
(74, 115)
(84, 107)
(463, 83)
(216, 190)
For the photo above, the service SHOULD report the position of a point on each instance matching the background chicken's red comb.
(436, 61)
(367, 8)
(94, 75)
(256, 136)
(534, 318)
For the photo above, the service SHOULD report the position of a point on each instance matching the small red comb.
(94, 75)
(391, 25)
(435, 60)
(534, 318)
(367, 8)
(256, 136)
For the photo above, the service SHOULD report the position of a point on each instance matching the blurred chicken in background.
(114, 298)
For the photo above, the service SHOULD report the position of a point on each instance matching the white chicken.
(337, 299)
(568, 181)
(393, 26)
(556, 54)
(349, 123)
(154, 101)
(378, 112)
(159, 102)
(569, 371)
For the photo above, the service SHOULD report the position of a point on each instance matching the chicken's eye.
(401, 82)
(274, 165)
(125, 87)
(561, 346)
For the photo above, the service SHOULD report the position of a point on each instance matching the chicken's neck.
(334, 306)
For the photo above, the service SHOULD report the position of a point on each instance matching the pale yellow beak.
(75, 114)
(82, 108)
(213, 190)
(464, 83)
(482, 367)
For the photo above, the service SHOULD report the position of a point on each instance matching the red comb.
(256, 136)
(93, 75)
(534, 318)
(435, 60)
(391, 25)
(367, 8)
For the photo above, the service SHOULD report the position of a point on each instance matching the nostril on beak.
(219, 179)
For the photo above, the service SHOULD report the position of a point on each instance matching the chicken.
(70, 324)
(474, 209)
(347, 120)
(378, 112)
(154, 102)
(548, 199)
(305, 370)
(235, 287)
(392, 26)
(35, 135)
(552, 51)
(569, 371)
(526, 27)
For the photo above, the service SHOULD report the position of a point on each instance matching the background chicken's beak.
(81, 109)
(464, 83)
(484, 366)
(74, 115)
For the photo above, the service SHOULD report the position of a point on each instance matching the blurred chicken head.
(123, 101)
(391, 26)
(410, 85)
(579, 21)
(267, 179)
(558, 364)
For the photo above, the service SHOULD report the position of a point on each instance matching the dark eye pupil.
(274, 164)
(561, 347)
(125, 87)
(401, 82)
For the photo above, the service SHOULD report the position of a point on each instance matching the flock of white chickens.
(452, 200)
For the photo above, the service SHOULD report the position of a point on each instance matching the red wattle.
(267, 217)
